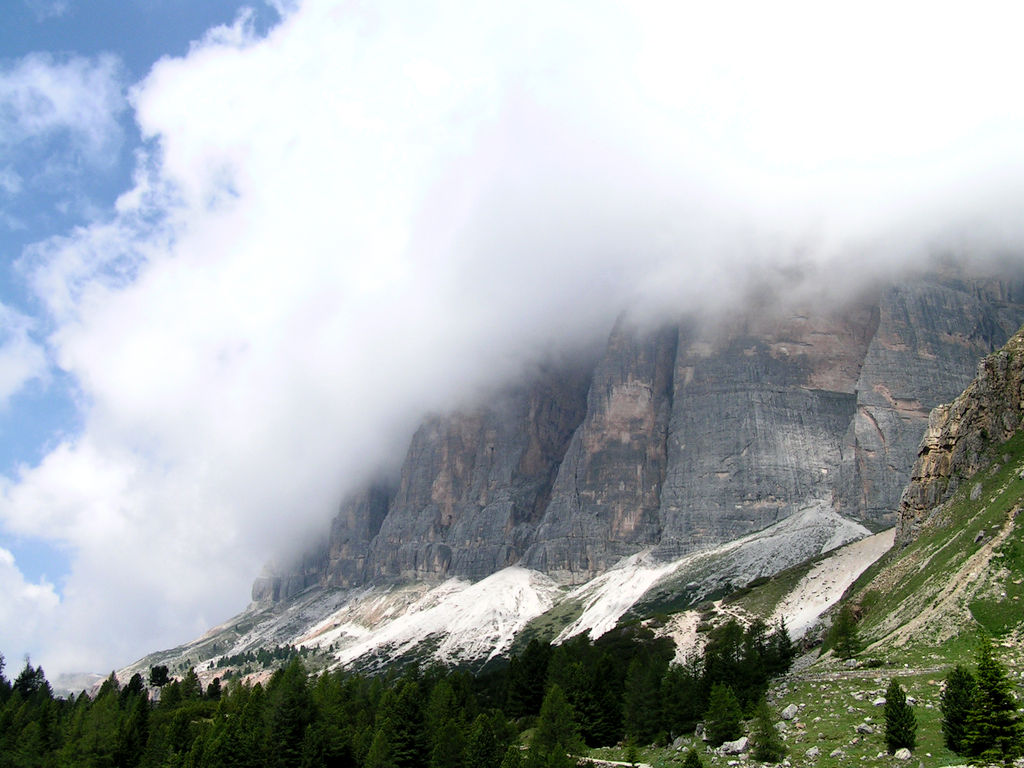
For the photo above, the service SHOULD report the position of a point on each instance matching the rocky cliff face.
(677, 439)
(960, 433)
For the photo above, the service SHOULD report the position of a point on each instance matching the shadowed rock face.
(677, 438)
(960, 433)
(607, 495)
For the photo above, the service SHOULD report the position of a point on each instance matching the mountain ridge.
(680, 438)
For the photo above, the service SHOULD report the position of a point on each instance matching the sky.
(245, 248)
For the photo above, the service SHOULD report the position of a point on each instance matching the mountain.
(959, 561)
(677, 439)
(693, 471)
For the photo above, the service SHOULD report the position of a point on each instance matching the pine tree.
(692, 760)
(768, 744)
(993, 727)
(843, 635)
(557, 734)
(382, 749)
(957, 703)
(900, 722)
(482, 748)
(641, 705)
(723, 719)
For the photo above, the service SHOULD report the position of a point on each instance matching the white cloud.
(378, 211)
(41, 95)
(21, 359)
(48, 9)
(10, 181)
(27, 610)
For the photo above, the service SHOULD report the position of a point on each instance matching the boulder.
(789, 712)
(735, 747)
(902, 754)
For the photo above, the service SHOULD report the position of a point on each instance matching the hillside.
(959, 563)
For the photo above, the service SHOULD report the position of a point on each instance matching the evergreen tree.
(900, 722)
(382, 749)
(768, 744)
(527, 674)
(159, 676)
(843, 635)
(682, 703)
(291, 712)
(994, 729)
(191, 687)
(403, 707)
(448, 746)
(557, 735)
(723, 719)
(782, 651)
(482, 747)
(213, 690)
(513, 757)
(692, 760)
(958, 701)
(641, 701)
(31, 681)
(5, 685)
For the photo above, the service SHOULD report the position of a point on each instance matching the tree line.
(583, 693)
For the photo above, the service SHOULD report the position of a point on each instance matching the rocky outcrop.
(606, 497)
(929, 339)
(475, 485)
(760, 407)
(678, 438)
(960, 434)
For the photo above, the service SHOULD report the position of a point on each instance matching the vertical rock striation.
(605, 500)
(960, 433)
(678, 438)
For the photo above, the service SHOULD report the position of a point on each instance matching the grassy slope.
(964, 572)
(922, 607)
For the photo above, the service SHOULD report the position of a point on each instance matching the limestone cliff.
(960, 433)
(678, 438)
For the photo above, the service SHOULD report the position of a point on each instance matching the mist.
(372, 213)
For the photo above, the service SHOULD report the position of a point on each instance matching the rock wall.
(677, 438)
(959, 435)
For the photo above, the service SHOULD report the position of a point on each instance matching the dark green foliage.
(191, 688)
(382, 749)
(527, 675)
(159, 676)
(291, 712)
(900, 722)
(641, 706)
(557, 734)
(402, 708)
(993, 726)
(745, 660)
(30, 682)
(723, 721)
(958, 701)
(682, 697)
(843, 637)
(430, 719)
(213, 690)
(484, 749)
(768, 744)
(692, 760)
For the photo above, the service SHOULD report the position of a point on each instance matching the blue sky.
(244, 250)
(133, 35)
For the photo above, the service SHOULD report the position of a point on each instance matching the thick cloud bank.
(377, 211)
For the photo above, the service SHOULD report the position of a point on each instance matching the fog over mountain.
(371, 213)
